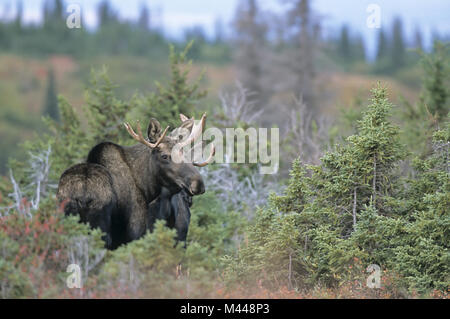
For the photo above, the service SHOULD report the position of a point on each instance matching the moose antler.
(211, 155)
(196, 131)
(140, 138)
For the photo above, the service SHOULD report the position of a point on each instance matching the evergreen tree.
(304, 238)
(53, 14)
(251, 32)
(422, 256)
(219, 36)
(361, 172)
(19, 16)
(105, 13)
(418, 39)
(312, 224)
(382, 46)
(359, 48)
(302, 19)
(398, 53)
(178, 96)
(51, 99)
(144, 18)
(435, 95)
(105, 112)
(383, 64)
(344, 45)
(70, 143)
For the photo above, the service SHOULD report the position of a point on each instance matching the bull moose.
(112, 190)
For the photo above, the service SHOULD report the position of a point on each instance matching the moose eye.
(165, 156)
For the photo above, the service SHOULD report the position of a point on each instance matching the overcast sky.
(174, 15)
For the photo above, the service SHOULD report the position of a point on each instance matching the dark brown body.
(114, 188)
(87, 190)
(174, 210)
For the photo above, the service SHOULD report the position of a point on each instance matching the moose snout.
(197, 187)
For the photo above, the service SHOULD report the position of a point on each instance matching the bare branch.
(239, 105)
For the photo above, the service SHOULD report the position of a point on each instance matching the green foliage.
(382, 48)
(331, 221)
(68, 141)
(154, 261)
(179, 96)
(71, 140)
(154, 266)
(104, 111)
(398, 44)
(268, 254)
(294, 198)
(156, 252)
(36, 251)
(423, 257)
(51, 99)
(15, 124)
(435, 95)
(213, 228)
(431, 110)
(350, 49)
(68, 138)
(361, 171)
(158, 267)
(354, 210)
(393, 57)
(114, 36)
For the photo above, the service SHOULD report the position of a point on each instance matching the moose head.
(168, 154)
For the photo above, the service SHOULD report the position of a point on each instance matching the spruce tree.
(359, 49)
(430, 112)
(144, 18)
(382, 58)
(51, 99)
(307, 232)
(344, 45)
(418, 39)
(177, 96)
(422, 255)
(251, 32)
(361, 172)
(382, 46)
(398, 53)
(105, 112)
(435, 94)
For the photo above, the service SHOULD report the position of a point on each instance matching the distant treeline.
(117, 36)
(113, 35)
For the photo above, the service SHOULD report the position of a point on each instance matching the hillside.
(24, 82)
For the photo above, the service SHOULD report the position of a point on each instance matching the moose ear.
(183, 118)
(187, 124)
(154, 130)
(183, 130)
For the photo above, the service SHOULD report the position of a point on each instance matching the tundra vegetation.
(369, 201)
(369, 187)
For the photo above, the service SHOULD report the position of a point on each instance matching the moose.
(123, 190)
